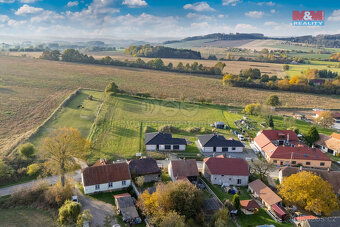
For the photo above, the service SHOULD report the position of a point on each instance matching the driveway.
(98, 209)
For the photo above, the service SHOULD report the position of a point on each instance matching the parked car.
(240, 137)
(75, 199)
(236, 133)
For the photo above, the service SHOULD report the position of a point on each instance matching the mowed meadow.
(31, 89)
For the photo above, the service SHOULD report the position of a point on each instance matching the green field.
(73, 116)
(120, 127)
(297, 69)
(119, 130)
(22, 217)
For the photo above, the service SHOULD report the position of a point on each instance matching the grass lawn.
(223, 196)
(258, 219)
(280, 123)
(15, 217)
(119, 128)
(332, 157)
(72, 116)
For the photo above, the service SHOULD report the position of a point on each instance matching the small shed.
(127, 209)
(219, 125)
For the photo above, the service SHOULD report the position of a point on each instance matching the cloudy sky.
(153, 19)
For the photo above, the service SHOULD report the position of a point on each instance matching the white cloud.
(335, 15)
(244, 27)
(270, 23)
(26, 9)
(15, 23)
(222, 16)
(199, 7)
(28, 1)
(3, 18)
(135, 3)
(72, 3)
(254, 14)
(47, 16)
(230, 2)
(266, 3)
(272, 11)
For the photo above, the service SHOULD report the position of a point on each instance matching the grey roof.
(324, 222)
(215, 140)
(143, 166)
(156, 138)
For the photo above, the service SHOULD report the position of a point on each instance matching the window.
(222, 175)
(234, 148)
(224, 148)
(167, 147)
(307, 163)
(275, 161)
(176, 147)
(123, 182)
(110, 185)
(97, 187)
(322, 164)
(306, 155)
(239, 181)
(293, 162)
(229, 179)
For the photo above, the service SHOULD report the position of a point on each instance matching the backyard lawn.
(245, 220)
(261, 218)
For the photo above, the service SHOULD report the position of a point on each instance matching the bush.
(69, 212)
(27, 150)
(33, 169)
(6, 172)
(193, 129)
(168, 129)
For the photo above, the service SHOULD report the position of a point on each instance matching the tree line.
(72, 55)
(253, 78)
(149, 51)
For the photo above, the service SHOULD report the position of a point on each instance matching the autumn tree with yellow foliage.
(310, 192)
(181, 197)
(60, 150)
(325, 118)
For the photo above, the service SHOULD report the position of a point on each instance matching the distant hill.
(329, 41)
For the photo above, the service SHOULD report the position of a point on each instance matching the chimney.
(288, 138)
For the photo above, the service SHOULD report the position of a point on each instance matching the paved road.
(49, 180)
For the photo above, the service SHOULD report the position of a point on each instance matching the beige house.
(330, 144)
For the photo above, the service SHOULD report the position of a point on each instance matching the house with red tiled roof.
(107, 177)
(226, 171)
(282, 147)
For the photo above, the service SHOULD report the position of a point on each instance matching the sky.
(152, 20)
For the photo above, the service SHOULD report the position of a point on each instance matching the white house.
(217, 143)
(230, 171)
(159, 141)
(105, 177)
